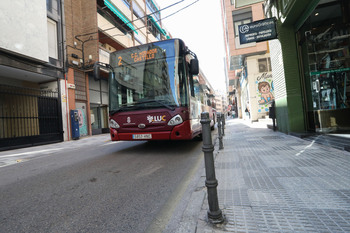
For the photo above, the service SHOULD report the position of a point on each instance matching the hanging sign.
(71, 85)
(258, 31)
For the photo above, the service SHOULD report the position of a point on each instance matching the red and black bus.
(156, 92)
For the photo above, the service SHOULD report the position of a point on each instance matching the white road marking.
(30, 152)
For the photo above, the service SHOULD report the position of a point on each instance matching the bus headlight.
(176, 120)
(113, 124)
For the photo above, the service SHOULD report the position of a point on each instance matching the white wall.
(257, 110)
(65, 113)
(23, 28)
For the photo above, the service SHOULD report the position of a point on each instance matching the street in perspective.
(95, 185)
(274, 182)
(177, 116)
(267, 182)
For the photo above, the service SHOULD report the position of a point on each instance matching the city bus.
(157, 92)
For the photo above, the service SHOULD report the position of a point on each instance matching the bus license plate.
(142, 136)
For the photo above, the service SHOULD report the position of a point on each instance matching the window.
(49, 5)
(153, 8)
(138, 11)
(240, 17)
(153, 29)
(52, 38)
(52, 6)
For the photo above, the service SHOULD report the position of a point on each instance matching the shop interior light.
(316, 14)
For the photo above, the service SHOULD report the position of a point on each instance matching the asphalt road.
(109, 187)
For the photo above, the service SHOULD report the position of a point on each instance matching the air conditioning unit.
(262, 68)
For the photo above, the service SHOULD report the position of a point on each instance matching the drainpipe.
(65, 67)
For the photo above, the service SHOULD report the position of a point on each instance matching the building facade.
(249, 69)
(32, 68)
(221, 102)
(94, 29)
(311, 65)
(46, 62)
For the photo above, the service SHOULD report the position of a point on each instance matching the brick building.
(93, 30)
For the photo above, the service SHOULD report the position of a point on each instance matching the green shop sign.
(329, 71)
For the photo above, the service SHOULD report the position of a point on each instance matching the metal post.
(272, 114)
(214, 212)
(223, 123)
(221, 145)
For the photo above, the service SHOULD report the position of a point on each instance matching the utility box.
(74, 119)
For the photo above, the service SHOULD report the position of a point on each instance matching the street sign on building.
(258, 31)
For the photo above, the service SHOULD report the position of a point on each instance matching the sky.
(200, 27)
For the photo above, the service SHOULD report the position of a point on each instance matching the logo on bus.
(155, 119)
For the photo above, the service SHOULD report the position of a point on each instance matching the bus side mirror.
(194, 66)
(192, 85)
(96, 71)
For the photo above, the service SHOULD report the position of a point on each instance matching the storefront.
(324, 40)
(310, 62)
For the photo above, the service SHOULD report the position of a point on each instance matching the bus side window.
(182, 82)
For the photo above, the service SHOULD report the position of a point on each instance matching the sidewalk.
(273, 182)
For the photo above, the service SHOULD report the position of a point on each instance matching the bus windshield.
(148, 76)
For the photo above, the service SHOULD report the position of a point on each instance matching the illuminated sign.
(140, 56)
(257, 31)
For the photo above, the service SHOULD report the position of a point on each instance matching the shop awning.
(120, 15)
(157, 25)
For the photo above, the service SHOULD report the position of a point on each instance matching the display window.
(324, 41)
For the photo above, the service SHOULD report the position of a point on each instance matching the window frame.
(52, 39)
(239, 17)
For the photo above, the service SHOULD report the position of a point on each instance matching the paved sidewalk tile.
(273, 182)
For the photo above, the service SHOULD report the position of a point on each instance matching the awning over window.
(120, 15)
(241, 3)
(157, 25)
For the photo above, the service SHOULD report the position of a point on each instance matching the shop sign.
(329, 71)
(71, 85)
(258, 31)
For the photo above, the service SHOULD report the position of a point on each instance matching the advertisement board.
(258, 31)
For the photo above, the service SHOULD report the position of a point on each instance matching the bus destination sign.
(144, 55)
(257, 31)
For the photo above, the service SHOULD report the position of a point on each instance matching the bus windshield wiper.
(157, 101)
(112, 112)
(123, 108)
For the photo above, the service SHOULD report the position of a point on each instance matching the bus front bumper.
(179, 132)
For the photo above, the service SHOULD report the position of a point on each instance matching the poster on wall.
(265, 92)
(82, 122)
